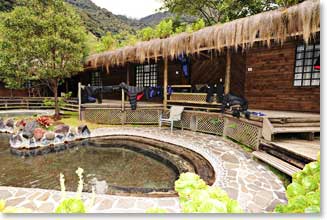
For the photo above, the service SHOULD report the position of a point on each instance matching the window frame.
(146, 78)
(303, 65)
(96, 79)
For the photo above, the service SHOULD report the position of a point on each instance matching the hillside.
(98, 20)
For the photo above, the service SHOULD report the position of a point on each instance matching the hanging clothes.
(317, 64)
(184, 60)
(132, 92)
(220, 92)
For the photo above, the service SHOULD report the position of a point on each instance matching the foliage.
(73, 205)
(62, 101)
(164, 29)
(216, 11)
(195, 196)
(45, 121)
(11, 209)
(303, 193)
(41, 40)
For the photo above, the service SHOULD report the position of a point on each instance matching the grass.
(71, 119)
(243, 146)
(282, 176)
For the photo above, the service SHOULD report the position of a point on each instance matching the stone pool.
(250, 182)
(114, 165)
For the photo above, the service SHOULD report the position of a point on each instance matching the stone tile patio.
(250, 182)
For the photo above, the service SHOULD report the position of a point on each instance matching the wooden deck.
(303, 148)
(118, 104)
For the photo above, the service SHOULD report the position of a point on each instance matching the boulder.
(62, 129)
(10, 123)
(83, 130)
(2, 124)
(21, 123)
(50, 135)
(29, 128)
(38, 133)
(16, 140)
(101, 187)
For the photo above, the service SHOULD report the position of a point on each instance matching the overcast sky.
(130, 8)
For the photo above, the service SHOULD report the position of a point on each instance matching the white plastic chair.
(175, 114)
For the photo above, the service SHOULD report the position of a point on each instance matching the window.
(305, 74)
(147, 75)
(96, 79)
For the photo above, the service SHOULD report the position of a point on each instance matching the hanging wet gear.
(132, 92)
(210, 93)
(184, 60)
(230, 101)
(220, 92)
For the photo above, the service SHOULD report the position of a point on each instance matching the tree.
(41, 40)
(219, 11)
(164, 28)
(107, 42)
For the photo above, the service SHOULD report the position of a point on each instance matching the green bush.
(195, 196)
(303, 193)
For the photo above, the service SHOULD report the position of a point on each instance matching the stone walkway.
(255, 187)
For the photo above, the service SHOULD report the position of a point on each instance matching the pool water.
(125, 168)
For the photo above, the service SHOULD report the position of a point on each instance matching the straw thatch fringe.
(302, 19)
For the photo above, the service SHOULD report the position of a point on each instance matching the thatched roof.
(302, 19)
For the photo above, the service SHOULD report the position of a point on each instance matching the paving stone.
(30, 205)
(144, 204)
(254, 208)
(125, 203)
(14, 201)
(34, 195)
(46, 208)
(230, 158)
(105, 204)
(233, 193)
(272, 205)
(44, 197)
(4, 194)
(20, 193)
(166, 203)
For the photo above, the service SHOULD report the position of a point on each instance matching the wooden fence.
(7, 103)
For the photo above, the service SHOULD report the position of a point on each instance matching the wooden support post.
(79, 100)
(127, 73)
(165, 86)
(227, 76)
(122, 100)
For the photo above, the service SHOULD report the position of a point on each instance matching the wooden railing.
(7, 103)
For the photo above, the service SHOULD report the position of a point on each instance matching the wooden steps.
(295, 129)
(276, 162)
(307, 126)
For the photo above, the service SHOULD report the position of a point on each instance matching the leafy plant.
(62, 101)
(195, 196)
(45, 121)
(73, 205)
(303, 193)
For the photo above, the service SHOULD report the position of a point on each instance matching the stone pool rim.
(185, 153)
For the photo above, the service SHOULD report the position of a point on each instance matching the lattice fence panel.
(142, 116)
(100, 116)
(192, 97)
(186, 121)
(242, 132)
(210, 124)
(115, 116)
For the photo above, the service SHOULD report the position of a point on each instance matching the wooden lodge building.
(272, 59)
